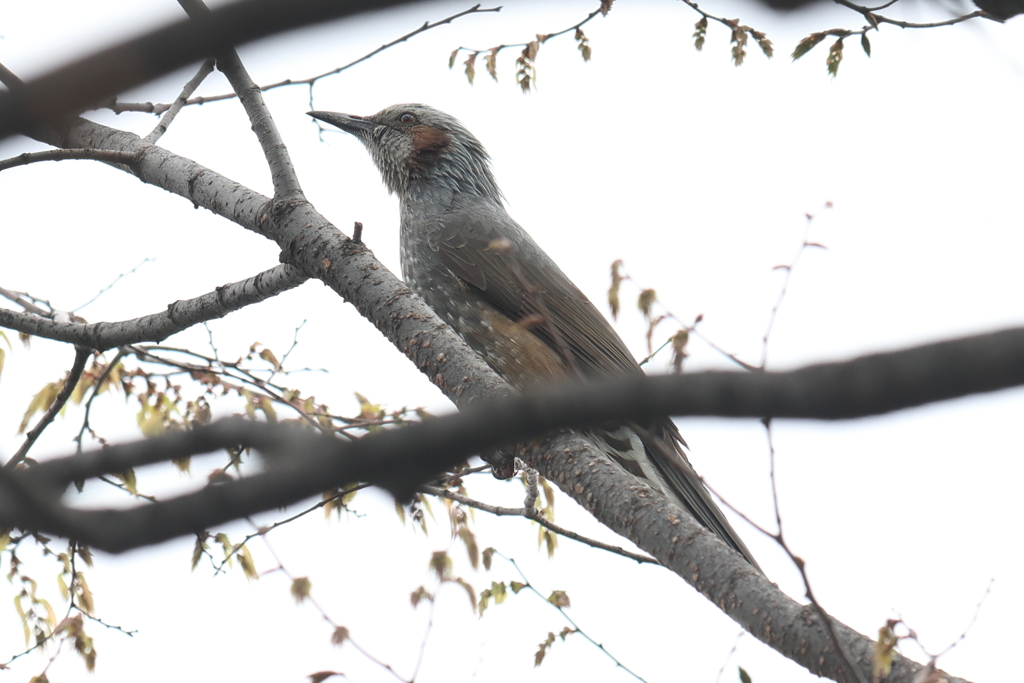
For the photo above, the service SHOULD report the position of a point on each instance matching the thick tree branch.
(870, 385)
(156, 327)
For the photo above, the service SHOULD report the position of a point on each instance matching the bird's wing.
(522, 282)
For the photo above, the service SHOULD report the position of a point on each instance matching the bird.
(486, 277)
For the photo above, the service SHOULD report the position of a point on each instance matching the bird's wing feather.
(533, 288)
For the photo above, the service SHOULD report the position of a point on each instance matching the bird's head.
(417, 147)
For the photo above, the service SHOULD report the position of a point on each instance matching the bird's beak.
(347, 122)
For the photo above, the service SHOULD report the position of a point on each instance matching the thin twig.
(165, 121)
(542, 521)
(263, 531)
(970, 625)
(27, 302)
(802, 567)
(804, 244)
(81, 355)
(97, 385)
(569, 619)
(876, 19)
(119, 107)
(116, 280)
(323, 613)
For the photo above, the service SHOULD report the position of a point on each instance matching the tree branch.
(498, 511)
(81, 356)
(65, 154)
(158, 326)
(282, 171)
(172, 110)
(79, 86)
(149, 107)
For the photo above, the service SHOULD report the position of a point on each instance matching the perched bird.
(484, 276)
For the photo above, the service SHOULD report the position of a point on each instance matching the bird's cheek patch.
(429, 141)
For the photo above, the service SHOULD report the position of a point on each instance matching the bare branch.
(106, 155)
(149, 107)
(158, 326)
(282, 171)
(79, 86)
(544, 522)
(175, 107)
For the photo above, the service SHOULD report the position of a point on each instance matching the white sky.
(698, 175)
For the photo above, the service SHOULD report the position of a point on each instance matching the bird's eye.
(407, 118)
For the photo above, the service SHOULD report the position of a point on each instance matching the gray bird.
(487, 278)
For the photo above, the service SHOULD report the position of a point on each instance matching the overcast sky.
(697, 174)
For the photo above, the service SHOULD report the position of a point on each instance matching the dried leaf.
(451, 60)
(441, 564)
(739, 40)
(488, 556)
(606, 6)
(418, 595)
(471, 66)
(679, 340)
(198, 550)
(524, 74)
(865, 43)
(542, 649)
(470, 591)
(491, 63)
(247, 564)
(700, 33)
(884, 651)
(268, 355)
(764, 43)
(559, 599)
(472, 550)
(583, 44)
(339, 636)
(613, 291)
(549, 539)
(300, 589)
(646, 301)
(41, 402)
(805, 45)
(321, 676)
(835, 56)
